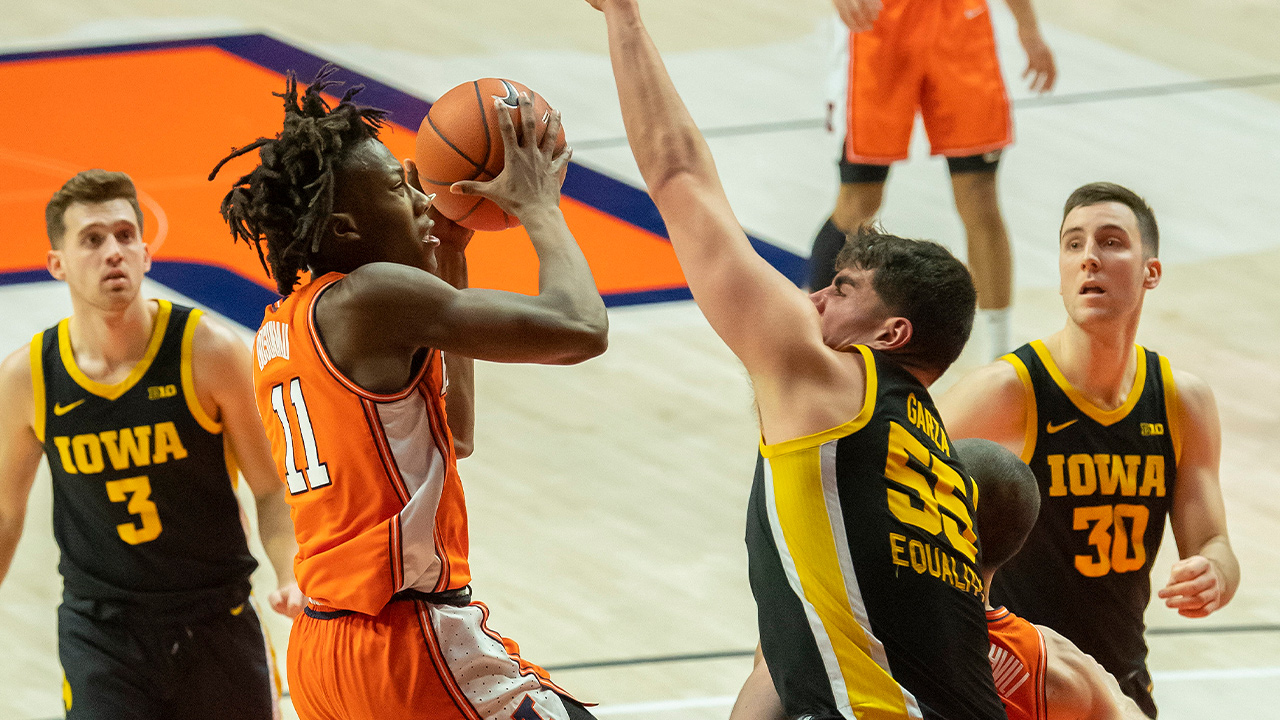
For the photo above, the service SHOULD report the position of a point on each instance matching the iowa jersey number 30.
(315, 474)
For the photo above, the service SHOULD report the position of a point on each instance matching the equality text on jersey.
(138, 446)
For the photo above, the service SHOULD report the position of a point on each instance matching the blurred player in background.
(936, 58)
(143, 409)
(856, 476)
(1118, 441)
(1039, 674)
(364, 381)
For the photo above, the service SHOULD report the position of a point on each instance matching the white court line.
(727, 700)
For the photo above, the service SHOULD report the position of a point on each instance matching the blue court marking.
(242, 300)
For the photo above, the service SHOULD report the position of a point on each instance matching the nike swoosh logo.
(512, 99)
(59, 409)
(1051, 428)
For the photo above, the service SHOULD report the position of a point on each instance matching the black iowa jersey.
(863, 562)
(1107, 478)
(143, 504)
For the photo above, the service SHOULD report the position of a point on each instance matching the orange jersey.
(373, 484)
(1018, 663)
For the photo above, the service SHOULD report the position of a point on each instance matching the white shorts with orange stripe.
(414, 660)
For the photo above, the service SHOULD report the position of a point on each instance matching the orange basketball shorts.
(935, 57)
(414, 660)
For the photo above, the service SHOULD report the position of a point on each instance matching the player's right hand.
(287, 600)
(531, 173)
(859, 15)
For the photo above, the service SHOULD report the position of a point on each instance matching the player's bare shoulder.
(17, 397)
(1076, 686)
(991, 403)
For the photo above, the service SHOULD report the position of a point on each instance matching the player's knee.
(857, 204)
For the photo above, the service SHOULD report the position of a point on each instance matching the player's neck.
(1101, 365)
(107, 342)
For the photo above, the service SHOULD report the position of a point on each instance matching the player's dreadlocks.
(287, 199)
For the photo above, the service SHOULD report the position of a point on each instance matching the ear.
(1152, 273)
(53, 262)
(894, 334)
(146, 258)
(342, 227)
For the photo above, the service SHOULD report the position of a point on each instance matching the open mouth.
(1090, 288)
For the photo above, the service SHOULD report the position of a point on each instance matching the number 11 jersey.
(372, 478)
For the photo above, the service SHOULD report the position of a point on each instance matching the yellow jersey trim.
(114, 390)
(37, 386)
(1032, 430)
(1102, 417)
(839, 431)
(188, 377)
(1172, 408)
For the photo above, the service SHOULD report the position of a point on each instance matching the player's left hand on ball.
(1040, 66)
(1195, 587)
(449, 233)
(287, 600)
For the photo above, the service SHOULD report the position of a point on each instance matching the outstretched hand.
(531, 172)
(287, 600)
(1040, 66)
(1195, 587)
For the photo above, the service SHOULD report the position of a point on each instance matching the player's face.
(851, 312)
(385, 208)
(1104, 273)
(102, 257)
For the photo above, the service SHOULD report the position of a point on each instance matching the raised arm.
(764, 319)
(1076, 687)
(990, 403)
(223, 379)
(1206, 577)
(20, 451)
(394, 307)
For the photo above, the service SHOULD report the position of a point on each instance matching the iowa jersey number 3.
(315, 474)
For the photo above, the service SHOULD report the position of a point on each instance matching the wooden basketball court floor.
(607, 499)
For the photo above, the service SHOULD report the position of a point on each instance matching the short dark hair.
(286, 201)
(1008, 499)
(1100, 192)
(87, 186)
(922, 282)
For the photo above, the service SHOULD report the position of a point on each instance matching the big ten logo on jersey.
(271, 342)
(926, 493)
(125, 448)
(159, 392)
(1115, 532)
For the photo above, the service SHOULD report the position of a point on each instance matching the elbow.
(588, 340)
(462, 448)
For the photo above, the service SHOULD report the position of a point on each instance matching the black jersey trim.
(213, 427)
(1031, 431)
(1172, 408)
(114, 390)
(37, 386)
(839, 431)
(1106, 418)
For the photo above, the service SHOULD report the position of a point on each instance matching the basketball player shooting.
(841, 381)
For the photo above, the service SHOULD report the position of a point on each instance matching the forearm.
(10, 533)
(1024, 13)
(664, 139)
(459, 369)
(275, 529)
(564, 277)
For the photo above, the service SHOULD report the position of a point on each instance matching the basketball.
(460, 139)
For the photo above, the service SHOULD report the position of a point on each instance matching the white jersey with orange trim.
(373, 483)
